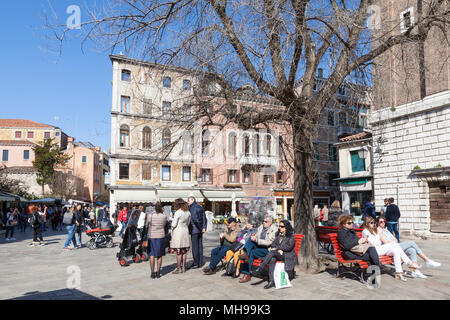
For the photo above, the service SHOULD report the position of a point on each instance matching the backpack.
(68, 218)
(230, 268)
(35, 219)
(15, 220)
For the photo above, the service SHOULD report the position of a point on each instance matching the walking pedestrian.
(325, 215)
(123, 219)
(180, 242)
(12, 219)
(43, 213)
(156, 223)
(197, 228)
(392, 215)
(35, 223)
(79, 222)
(69, 222)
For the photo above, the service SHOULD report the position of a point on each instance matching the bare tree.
(277, 46)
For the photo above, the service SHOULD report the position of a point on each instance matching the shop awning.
(171, 195)
(224, 195)
(4, 197)
(143, 196)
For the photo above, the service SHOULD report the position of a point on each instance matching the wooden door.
(440, 206)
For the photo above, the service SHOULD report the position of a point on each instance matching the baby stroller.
(128, 253)
(100, 237)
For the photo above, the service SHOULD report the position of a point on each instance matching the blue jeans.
(70, 236)
(197, 248)
(79, 230)
(216, 255)
(411, 249)
(253, 252)
(393, 228)
(124, 226)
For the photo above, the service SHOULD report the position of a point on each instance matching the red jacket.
(123, 216)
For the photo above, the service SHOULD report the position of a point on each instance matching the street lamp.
(362, 154)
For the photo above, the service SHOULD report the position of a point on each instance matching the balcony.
(261, 160)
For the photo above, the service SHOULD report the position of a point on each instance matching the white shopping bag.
(281, 277)
(119, 227)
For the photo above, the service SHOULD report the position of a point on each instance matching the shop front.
(355, 193)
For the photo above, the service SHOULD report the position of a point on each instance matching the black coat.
(348, 238)
(198, 218)
(333, 216)
(392, 213)
(287, 245)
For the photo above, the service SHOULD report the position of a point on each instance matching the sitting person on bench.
(283, 249)
(348, 239)
(391, 249)
(227, 240)
(257, 246)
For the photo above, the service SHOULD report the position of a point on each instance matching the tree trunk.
(303, 198)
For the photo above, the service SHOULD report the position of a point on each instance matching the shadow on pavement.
(63, 294)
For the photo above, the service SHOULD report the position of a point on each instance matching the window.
(167, 82)
(206, 175)
(166, 109)
(315, 151)
(56, 134)
(186, 85)
(280, 176)
(5, 155)
(246, 145)
(83, 159)
(124, 136)
(166, 173)
(18, 134)
(362, 120)
(206, 141)
(125, 104)
(30, 135)
(268, 145)
(256, 145)
(332, 153)
(358, 164)
(342, 119)
(126, 75)
(26, 154)
(147, 107)
(406, 19)
(331, 118)
(232, 141)
(331, 181)
(341, 90)
(146, 171)
(46, 135)
(187, 143)
(232, 176)
(186, 173)
(246, 176)
(166, 138)
(124, 171)
(316, 180)
(147, 138)
(267, 179)
(186, 112)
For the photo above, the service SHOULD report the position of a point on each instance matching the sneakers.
(67, 248)
(12, 239)
(42, 244)
(32, 245)
(418, 274)
(7, 239)
(432, 264)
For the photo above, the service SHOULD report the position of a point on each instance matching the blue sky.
(71, 91)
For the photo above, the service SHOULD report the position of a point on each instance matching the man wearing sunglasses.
(257, 246)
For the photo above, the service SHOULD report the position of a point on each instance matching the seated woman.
(348, 239)
(282, 248)
(409, 247)
(391, 249)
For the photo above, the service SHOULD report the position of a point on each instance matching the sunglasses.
(372, 222)
(282, 226)
(381, 221)
(348, 223)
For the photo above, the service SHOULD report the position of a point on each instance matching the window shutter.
(238, 179)
(211, 175)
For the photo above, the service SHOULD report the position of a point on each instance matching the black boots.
(271, 284)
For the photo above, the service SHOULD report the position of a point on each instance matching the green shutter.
(358, 164)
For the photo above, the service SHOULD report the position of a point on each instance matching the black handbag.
(236, 246)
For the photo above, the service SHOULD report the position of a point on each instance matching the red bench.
(323, 237)
(355, 265)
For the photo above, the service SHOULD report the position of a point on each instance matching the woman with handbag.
(156, 223)
(391, 249)
(180, 242)
(281, 249)
(353, 247)
(12, 219)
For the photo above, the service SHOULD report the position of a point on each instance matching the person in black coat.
(348, 239)
(79, 222)
(392, 215)
(283, 249)
(197, 228)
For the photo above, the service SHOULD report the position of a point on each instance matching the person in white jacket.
(141, 221)
(180, 242)
(391, 249)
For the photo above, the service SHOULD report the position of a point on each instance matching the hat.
(230, 220)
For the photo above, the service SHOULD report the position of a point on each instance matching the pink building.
(16, 153)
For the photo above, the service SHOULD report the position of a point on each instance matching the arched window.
(147, 138)
(187, 143)
(256, 145)
(206, 141)
(124, 136)
(232, 142)
(166, 138)
(246, 145)
(268, 145)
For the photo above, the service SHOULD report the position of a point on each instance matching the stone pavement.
(42, 273)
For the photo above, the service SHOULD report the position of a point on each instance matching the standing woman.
(156, 223)
(334, 213)
(35, 222)
(180, 234)
(12, 219)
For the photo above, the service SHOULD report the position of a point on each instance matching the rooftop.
(16, 143)
(357, 136)
(22, 123)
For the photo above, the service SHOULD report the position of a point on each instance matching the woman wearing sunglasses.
(282, 248)
(409, 247)
(391, 249)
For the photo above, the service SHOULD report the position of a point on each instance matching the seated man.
(227, 239)
(257, 246)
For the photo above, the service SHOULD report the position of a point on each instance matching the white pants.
(393, 249)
